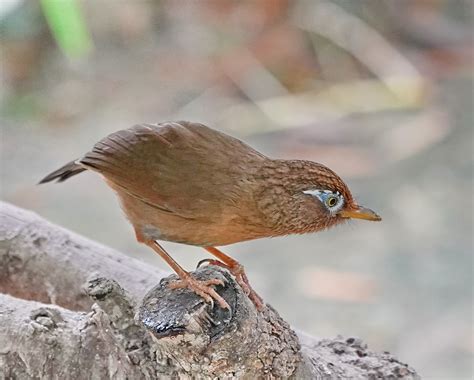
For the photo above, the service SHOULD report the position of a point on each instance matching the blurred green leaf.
(68, 27)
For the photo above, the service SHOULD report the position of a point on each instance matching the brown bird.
(187, 183)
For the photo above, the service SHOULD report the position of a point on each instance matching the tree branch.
(170, 333)
(44, 262)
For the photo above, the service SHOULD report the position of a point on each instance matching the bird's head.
(327, 197)
(336, 205)
(313, 198)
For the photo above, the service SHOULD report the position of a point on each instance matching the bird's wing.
(178, 167)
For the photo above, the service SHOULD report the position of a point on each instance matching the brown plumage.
(187, 183)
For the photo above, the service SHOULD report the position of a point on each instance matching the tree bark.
(73, 309)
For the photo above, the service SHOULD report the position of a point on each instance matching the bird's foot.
(241, 278)
(202, 288)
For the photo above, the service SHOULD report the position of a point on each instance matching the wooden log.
(73, 309)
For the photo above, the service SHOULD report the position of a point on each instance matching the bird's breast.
(217, 228)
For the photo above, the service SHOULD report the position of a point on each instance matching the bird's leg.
(238, 271)
(201, 288)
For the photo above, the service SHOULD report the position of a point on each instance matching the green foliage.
(68, 27)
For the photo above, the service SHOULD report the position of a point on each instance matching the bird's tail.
(63, 173)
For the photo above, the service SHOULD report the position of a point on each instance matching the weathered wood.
(73, 309)
(44, 262)
(201, 339)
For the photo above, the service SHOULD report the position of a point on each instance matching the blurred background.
(380, 91)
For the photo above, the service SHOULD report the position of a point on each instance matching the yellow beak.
(361, 213)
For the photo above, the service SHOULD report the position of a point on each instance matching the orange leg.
(201, 288)
(238, 271)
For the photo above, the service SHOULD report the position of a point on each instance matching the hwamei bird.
(187, 183)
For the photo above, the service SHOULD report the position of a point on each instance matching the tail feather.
(62, 174)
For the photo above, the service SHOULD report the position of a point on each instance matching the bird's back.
(177, 173)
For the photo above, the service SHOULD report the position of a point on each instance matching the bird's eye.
(331, 201)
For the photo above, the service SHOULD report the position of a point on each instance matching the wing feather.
(180, 167)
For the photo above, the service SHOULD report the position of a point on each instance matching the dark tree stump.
(73, 309)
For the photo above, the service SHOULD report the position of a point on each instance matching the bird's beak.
(361, 213)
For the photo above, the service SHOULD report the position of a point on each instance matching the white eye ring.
(325, 197)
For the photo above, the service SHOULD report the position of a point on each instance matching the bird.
(187, 183)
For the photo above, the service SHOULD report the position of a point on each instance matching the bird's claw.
(202, 288)
(204, 261)
(240, 277)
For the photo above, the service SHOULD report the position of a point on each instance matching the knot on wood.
(199, 338)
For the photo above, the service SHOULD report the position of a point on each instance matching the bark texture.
(73, 309)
